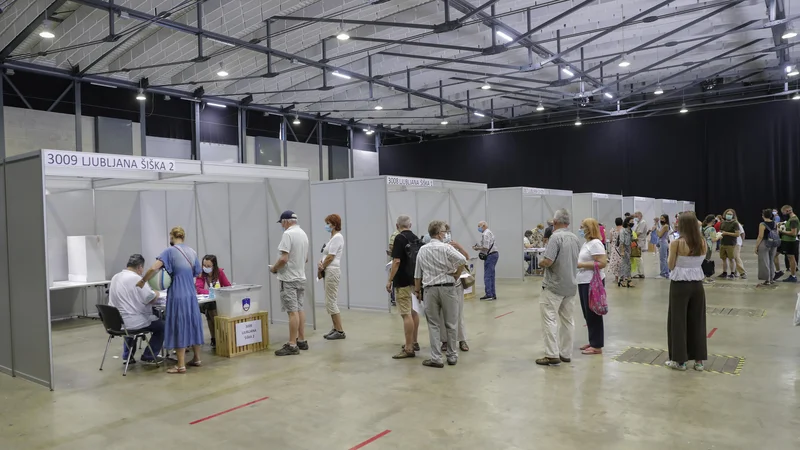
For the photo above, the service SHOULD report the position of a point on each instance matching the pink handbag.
(597, 293)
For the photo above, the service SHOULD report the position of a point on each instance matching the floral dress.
(625, 239)
(614, 258)
(537, 240)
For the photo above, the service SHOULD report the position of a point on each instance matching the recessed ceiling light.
(140, 95)
(540, 107)
(342, 35)
(444, 122)
(486, 86)
(504, 36)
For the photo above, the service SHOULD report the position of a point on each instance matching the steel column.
(143, 124)
(319, 143)
(60, 97)
(196, 131)
(243, 136)
(78, 121)
(200, 27)
(284, 142)
(352, 174)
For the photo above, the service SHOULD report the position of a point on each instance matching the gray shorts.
(293, 295)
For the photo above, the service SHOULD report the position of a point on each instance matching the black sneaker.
(213, 343)
(157, 360)
(777, 275)
(125, 361)
(333, 330)
(302, 345)
(287, 350)
(723, 275)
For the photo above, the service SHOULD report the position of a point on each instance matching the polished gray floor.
(342, 393)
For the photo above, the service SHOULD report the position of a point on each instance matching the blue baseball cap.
(287, 215)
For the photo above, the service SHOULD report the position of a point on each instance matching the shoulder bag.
(482, 256)
(597, 293)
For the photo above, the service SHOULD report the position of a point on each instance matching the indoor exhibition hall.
(399, 224)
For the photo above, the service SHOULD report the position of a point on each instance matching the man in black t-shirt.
(548, 231)
(400, 277)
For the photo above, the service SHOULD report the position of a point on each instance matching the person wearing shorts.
(727, 251)
(401, 279)
(291, 271)
(789, 245)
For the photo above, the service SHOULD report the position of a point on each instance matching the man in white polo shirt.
(291, 270)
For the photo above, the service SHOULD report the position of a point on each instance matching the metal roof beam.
(355, 22)
(776, 11)
(30, 28)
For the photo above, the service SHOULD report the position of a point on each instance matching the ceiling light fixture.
(608, 95)
(342, 35)
(444, 122)
(578, 122)
(796, 96)
(296, 120)
(504, 36)
(684, 110)
(789, 33)
(216, 105)
(567, 72)
(794, 72)
(378, 107)
(479, 114)
(540, 107)
(46, 33)
(658, 90)
(486, 86)
(336, 73)
(369, 131)
(624, 62)
(140, 95)
(222, 72)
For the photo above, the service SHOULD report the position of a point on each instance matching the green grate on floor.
(739, 312)
(728, 365)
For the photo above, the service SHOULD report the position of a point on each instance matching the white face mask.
(208, 269)
(447, 238)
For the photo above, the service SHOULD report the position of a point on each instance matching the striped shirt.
(436, 261)
(487, 241)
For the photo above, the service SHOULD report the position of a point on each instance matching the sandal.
(593, 351)
(463, 346)
(584, 347)
(194, 363)
(176, 369)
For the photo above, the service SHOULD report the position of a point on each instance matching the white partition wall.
(369, 208)
(669, 207)
(646, 205)
(688, 206)
(514, 210)
(603, 207)
(6, 359)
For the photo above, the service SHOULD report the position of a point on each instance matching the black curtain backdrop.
(744, 158)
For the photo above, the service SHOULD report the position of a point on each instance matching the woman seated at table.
(211, 275)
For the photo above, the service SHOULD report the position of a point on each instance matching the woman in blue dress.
(184, 324)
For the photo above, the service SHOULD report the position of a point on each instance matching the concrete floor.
(342, 393)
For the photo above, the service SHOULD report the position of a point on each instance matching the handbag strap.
(184, 255)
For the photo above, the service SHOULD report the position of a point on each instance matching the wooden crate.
(226, 335)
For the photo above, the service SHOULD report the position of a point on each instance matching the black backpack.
(412, 249)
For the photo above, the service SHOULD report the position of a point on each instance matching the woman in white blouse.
(593, 252)
(329, 268)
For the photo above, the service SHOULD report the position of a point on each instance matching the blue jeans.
(663, 254)
(488, 273)
(156, 340)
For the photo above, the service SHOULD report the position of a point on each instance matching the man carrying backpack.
(789, 244)
(404, 251)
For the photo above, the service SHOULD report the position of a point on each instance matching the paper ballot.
(415, 305)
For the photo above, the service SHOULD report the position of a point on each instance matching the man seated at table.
(136, 308)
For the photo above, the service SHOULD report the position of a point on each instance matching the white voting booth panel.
(513, 210)
(369, 208)
(603, 207)
(670, 208)
(688, 206)
(230, 210)
(645, 205)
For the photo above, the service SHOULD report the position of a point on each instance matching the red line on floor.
(501, 315)
(714, 330)
(227, 411)
(371, 440)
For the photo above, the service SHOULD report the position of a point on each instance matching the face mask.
(581, 233)
(774, 213)
(480, 230)
(636, 221)
(208, 269)
(728, 216)
(447, 238)
(328, 228)
(663, 223)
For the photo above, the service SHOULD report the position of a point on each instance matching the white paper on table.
(416, 305)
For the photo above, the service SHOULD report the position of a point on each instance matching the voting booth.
(646, 205)
(689, 206)
(669, 207)
(603, 207)
(514, 210)
(369, 208)
(129, 204)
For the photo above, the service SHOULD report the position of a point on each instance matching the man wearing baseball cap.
(291, 271)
